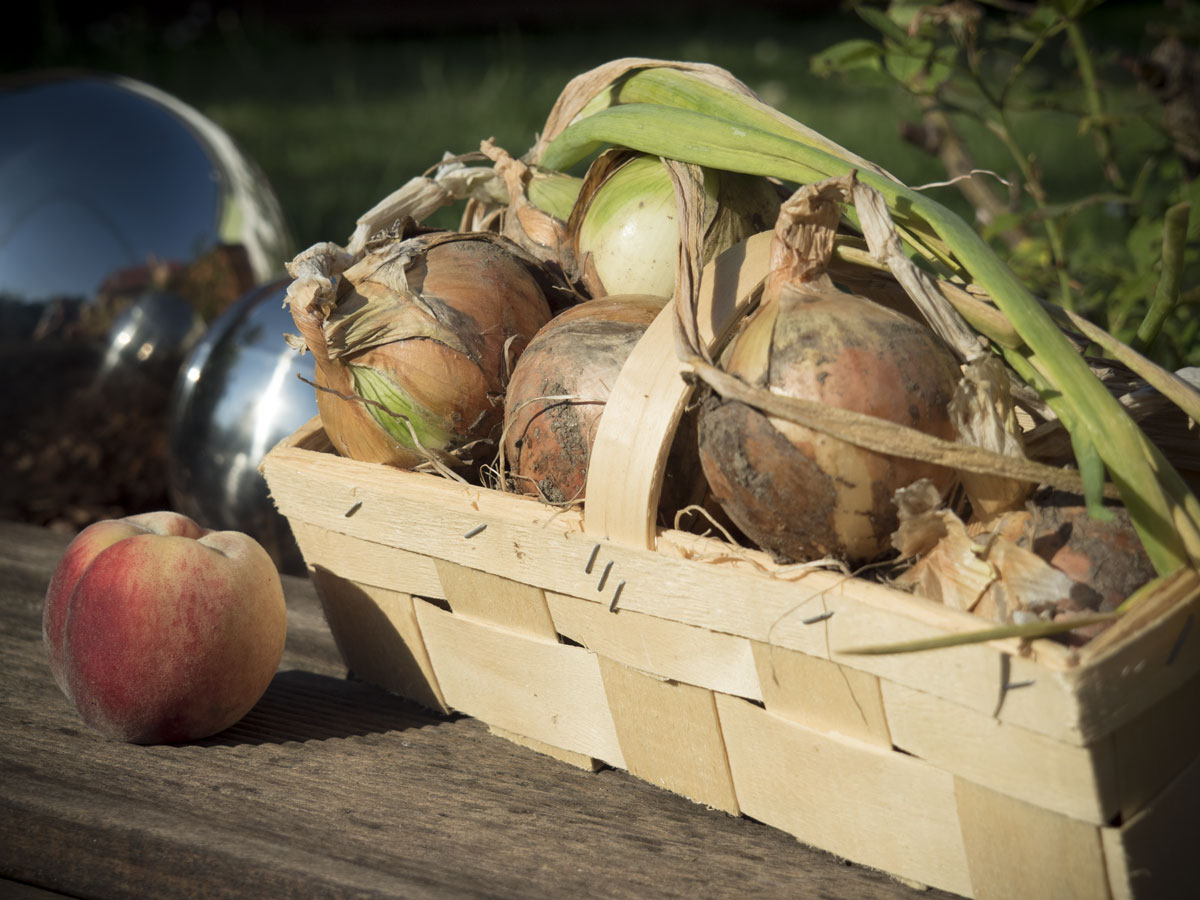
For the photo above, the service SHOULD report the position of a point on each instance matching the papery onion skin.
(1105, 559)
(625, 228)
(547, 442)
(446, 354)
(797, 492)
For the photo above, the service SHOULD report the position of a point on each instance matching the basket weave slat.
(990, 770)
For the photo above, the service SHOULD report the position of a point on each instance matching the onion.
(558, 390)
(535, 216)
(795, 491)
(414, 346)
(624, 226)
(1103, 559)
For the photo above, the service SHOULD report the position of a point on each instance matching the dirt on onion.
(795, 491)
(558, 390)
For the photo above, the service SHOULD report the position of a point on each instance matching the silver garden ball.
(128, 222)
(237, 395)
(111, 188)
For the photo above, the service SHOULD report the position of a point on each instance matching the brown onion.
(414, 347)
(558, 390)
(793, 490)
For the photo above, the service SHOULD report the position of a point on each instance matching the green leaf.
(1038, 23)
(941, 66)
(1091, 471)
(883, 23)
(907, 62)
(846, 56)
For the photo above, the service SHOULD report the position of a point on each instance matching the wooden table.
(333, 788)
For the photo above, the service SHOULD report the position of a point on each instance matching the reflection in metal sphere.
(110, 187)
(150, 338)
(111, 192)
(237, 396)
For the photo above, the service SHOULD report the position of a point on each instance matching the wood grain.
(1017, 849)
(333, 788)
(531, 543)
(670, 734)
(869, 805)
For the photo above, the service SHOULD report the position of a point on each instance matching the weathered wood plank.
(331, 787)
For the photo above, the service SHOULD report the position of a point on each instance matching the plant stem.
(1095, 104)
(1175, 224)
(1000, 127)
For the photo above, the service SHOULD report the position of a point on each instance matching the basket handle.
(638, 424)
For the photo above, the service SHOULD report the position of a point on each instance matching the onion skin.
(427, 327)
(624, 228)
(797, 492)
(579, 353)
(1105, 559)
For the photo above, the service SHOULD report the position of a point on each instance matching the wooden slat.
(635, 433)
(1017, 849)
(578, 760)
(670, 735)
(1152, 749)
(534, 544)
(1075, 781)
(1161, 652)
(708, 659)
(492, 600)
(377, 633)
(880, 808)
(1152, 856)
(633, 439)
(484, 597)
(822, 695)
(544, 690)
(367, 562)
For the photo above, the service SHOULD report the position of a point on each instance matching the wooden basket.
(988, 770)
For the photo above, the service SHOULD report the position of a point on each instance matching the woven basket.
(987, 770)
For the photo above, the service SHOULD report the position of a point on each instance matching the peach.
(161, 631)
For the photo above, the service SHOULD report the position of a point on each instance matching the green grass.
(336, 123)
(339, 120)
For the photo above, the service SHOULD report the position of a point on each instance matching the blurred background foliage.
(1086, 112)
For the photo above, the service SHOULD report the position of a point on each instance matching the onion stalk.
(680, 113)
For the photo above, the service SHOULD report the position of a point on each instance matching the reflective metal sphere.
(110, 187)
(114, 197)
(150, 338)
(237, 396)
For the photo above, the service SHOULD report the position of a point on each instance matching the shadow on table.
(305, 706)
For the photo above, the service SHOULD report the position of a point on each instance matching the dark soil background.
(76, 449)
